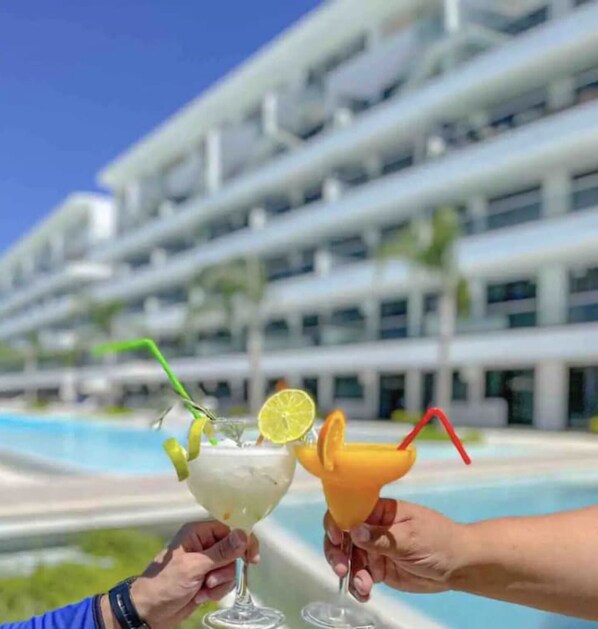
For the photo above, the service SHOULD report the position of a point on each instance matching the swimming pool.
(114, 447)
(302, 516)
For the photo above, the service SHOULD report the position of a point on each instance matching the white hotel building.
(359, 118)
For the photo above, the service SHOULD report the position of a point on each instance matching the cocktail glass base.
(253, 618)
(336, 616)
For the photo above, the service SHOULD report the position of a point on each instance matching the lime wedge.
(194, 437)
(178, 456)
(287, 416)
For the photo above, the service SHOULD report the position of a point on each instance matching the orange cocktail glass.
(353, 487)
(352, 476)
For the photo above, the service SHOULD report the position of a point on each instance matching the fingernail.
(212, 582)
(256, 558)
(359, 585)
(237, 539)
(202, 598)
(361, 534)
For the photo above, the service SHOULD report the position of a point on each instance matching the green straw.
(151, 346)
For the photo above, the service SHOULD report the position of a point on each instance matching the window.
(584, 190)
(172, 296)
(586, 85)
(348, 388)
(583, 296)
(430, 303)
(396, 161)
(459, 387)
(514, 208)
(525, 23)
(310, 326)
(516, 301)
(293, 264)
(353, 247)
(393, 319)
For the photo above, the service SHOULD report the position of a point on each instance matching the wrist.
(142, 600)
(466, 555)
(108, 617)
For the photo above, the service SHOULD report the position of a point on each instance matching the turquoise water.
(472, 503)
(114, 447)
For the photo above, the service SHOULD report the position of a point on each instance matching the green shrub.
(594, 424)
(49, 587)
(116, 410)
(404, 417)
(433, 433)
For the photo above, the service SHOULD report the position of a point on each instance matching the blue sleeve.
(78, 616)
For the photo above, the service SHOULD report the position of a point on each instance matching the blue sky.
(82, 80)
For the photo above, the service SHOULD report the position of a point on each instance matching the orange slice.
(331, 438)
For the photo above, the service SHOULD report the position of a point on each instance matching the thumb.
(225, 551)
(391, 541)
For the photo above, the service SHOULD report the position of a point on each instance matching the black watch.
(123, 608)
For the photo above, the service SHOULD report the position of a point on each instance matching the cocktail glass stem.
(344, 582)
(243, 600)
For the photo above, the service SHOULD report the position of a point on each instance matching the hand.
(403, 545)
(196, 567)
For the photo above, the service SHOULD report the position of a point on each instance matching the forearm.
(547, 562)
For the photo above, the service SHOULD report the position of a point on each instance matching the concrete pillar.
(158, 257)
(556, 193)
(371, 310)
(415, 313)
(477, 208)
(477, 296)
(213, 160)
(561, 93)
(325, 392)
(552, 294)
(371, 394)
(295, 323)
(560, 8)
(413, 391)
(332, 190)
(373, 166)
(372, 238)
(323, 262)
(550, 395)
(258, 218)
(476, 384)
(342, 117)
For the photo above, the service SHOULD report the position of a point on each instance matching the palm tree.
(431, 246)
(236, 287)
(102, 316)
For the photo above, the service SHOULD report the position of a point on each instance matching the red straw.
(430, 414)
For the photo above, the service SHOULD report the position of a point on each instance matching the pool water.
(114, 447)
(456, 610)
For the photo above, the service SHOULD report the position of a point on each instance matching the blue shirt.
(83, 615)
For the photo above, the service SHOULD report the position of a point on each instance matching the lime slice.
(286, 416)
(331, 438)
(194, 437)
(177, 454)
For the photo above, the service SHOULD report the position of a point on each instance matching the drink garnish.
(287, 416)
(331, 438)
(178, 456)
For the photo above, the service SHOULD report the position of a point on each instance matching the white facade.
(349, 125)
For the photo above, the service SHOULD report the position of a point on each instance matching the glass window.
(583, 395)
(531, 20)
(430, 303)
(348, 388)
(310, 326)
(514, 208)
(393, 319)
(459, 387)
(353, 247)
(584, 190)
(517, 389)
(516, 301)
(394, 162)
(347, 315)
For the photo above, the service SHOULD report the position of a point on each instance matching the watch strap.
(123, 607)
